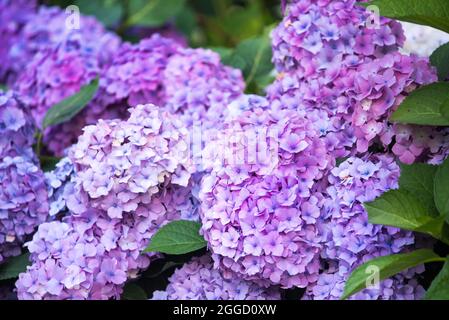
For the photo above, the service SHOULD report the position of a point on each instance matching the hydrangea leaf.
(441, 189)
(439, 59)
(439, 289)
(399, 208)
(71, 106)
(386, 267)
(153, 13)
(177, 237)
(133, 291)
(418, 180)
(109, 12)
(14, 266)
(425, 106)
(434, 13)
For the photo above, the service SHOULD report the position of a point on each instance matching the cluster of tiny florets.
(199, 280)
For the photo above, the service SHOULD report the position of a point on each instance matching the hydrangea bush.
(122, 146)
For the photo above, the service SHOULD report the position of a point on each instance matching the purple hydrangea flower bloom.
(14, 14)
(23, 202)
(16, 127)
(259, 201)
(97, 246)
(199, 280)
(349, 239)
(50, 26)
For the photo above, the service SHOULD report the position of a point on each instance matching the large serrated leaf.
(387, 266)
(14, 266)
(440, 59)
(418, 180)
(434, 13)
(71, 106)
(177, 237)
(153, 13)
(398, 208)
(425, 106)
(439, 289)
(441, 189)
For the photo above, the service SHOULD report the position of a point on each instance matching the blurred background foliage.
(237, 29)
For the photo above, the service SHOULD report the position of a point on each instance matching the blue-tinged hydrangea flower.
(260, 203)
(90, 255)
(120, 164)
(198, 86)
(23, 202)
(422, 40)
(14, 14)
(325, 37)
(199, 280)
(60, 184)
(378, 89)
(349, 239)
(55, 74)
(16, 127)
(50, 26)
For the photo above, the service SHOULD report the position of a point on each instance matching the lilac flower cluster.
(260, 216)
(16, 127)
(120, 164)
(317, 48)
(126, 181)
(199, 280)
(23, 202)
(352, 84)
(23, 196)
(349, 239)
(199, 87)
(56, 62)
(91, 255)
(379, 87)
(323, 38)
(13, 16)
(50, 26)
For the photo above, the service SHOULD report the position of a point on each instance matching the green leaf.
(441, 189)
(387, 266)
(439, 60)
(109, 12)
(418, 180)
(439, 289)
(177, 237)
(3, 87)
(153, 13)
(398, 208)
(434, 13)
(425, 106)
(71, 106)
(48, 163)
(133, 292)
(14, 266)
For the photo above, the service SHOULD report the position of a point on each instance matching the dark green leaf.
(48, 163)
(133, 291)
(14, 266)
(425, 106)
(109, 12)
(153, 13)
(439, 289)
(440, 59)
(398, 208)
(71, 106)
(3, 87)
(177, 237)
(387, 266)
(434, 13)
(441, 189)
(418, 180)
